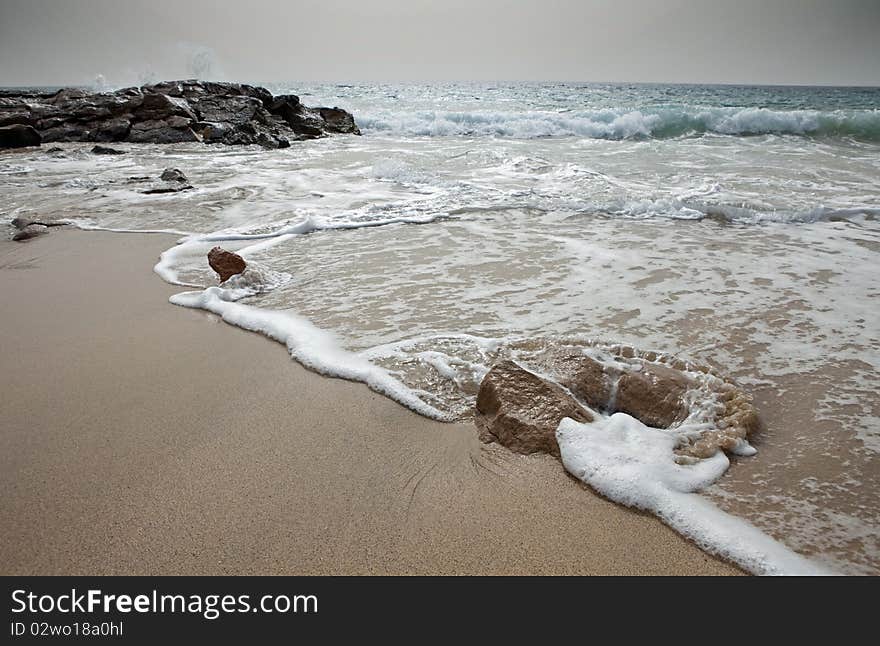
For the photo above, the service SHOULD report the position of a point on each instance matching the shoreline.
(142, 439)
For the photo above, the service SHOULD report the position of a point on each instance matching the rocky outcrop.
(19, 135)
(521, 411)
(226, 263)
(172, 112)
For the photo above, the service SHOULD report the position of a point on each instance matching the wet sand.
(141, 438)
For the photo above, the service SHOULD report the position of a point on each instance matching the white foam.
(312, 347)
(632, 464)
(623, 124)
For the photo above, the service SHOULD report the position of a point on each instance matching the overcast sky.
(705, 41)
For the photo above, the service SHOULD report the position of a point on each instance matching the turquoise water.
(614, 111)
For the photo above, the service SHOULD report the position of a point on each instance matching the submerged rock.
(19, 135)
(170, 112)
(172, 180)
(521, 410)
(173, 175)
(104, 150)
(226, 263)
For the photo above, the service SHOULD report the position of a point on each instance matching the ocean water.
(730, 227)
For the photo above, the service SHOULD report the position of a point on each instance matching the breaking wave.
(636, 124)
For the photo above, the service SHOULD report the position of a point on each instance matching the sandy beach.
(137, 437)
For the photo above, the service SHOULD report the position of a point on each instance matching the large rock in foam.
(225, 263)
(521, 410)
(655, 391)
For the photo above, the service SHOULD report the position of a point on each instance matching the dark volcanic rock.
(173, 112)
(104, 150)
(225, 263)
(161, 132)
(19, 136)
(521, 410)
(339, 120)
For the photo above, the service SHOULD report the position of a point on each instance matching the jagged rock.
(213, 131)
(225, 263)
(156, 106)
(113, 130)
(17, 118)
(160, 132)
(19, 136)
(339, 120)
(67, 132)
(30, 231)
(521, 411)
(104, 150)
(173, 112)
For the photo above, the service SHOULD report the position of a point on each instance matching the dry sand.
(141, 438)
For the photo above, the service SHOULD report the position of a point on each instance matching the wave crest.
(635, 124)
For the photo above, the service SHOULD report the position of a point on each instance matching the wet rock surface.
(521, 410)
(707, 412)
(653, 393)
(226, 263)
(164, 113)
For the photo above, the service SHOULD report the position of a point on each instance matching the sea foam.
(632, 464)
(314, 348)
(623, 124)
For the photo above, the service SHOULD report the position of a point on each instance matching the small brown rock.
(521, 410)
(225, 263)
